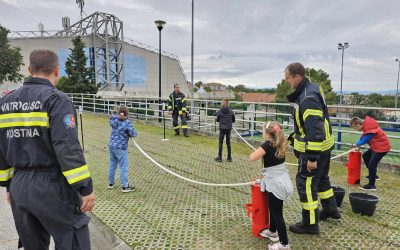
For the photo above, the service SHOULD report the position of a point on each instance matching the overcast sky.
(249, 42)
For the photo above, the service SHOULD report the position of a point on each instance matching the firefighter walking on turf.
(177, 104)
(313, 143)
(41, 161)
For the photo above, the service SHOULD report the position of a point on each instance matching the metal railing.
(250, 116)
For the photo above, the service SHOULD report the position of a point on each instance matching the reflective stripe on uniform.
(314, 146)
(40, 119)
(311, 204)
(299, 146)
(327, 132)
(298, 123)
(314, 112)
(184, 126)
(327, 144)
(326, 195)
(184, 109)
(180, 112)
(176, 127)
(6, 174)
(77, 174)
(183, 100)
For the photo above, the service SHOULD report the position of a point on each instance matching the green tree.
(80, 79)
(322, 78)
(239, 88)
(10, 59)
(199, 84)
(358, 99)
(373, 99)
(317, 76)
(207, 89)
(282, 90)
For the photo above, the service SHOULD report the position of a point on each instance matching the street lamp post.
(191, 66)
(160, 24)
(341, 47)
(397, 89)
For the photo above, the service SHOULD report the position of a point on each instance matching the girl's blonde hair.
(274, 130)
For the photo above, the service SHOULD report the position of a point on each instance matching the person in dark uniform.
(41, 161)
(313, 143)
(177, 104)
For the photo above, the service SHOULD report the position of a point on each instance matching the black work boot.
(300, 228)
(218, 159)
(333, 215)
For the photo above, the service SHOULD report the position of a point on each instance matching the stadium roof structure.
(107, 38)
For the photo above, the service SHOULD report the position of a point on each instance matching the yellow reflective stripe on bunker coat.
(298, 122)
(315, 146)
(301, 146)
(39, 119)
(169, 103)
(77, 174)
(6, 174)
(310, 205)
(308, 112)
(326, 195)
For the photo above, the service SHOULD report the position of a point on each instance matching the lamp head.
(160, 24)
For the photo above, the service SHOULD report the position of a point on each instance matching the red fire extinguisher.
(354, 168)
(258, 210)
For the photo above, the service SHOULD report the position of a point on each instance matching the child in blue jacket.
(122, 130)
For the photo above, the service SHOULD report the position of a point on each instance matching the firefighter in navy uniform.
(177, 104)
(41, 161)
(313, 143)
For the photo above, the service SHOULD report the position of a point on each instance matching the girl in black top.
(277, 182)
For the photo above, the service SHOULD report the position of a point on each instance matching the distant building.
(215, 86)
(258, 97)
(347, 99)
(218, 91)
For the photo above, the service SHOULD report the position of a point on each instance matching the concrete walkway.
(102, 238)
(8, 233)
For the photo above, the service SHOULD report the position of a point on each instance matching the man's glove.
(291, 139)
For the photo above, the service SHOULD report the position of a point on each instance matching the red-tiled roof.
(258, 97)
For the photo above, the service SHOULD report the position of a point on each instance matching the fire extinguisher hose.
(288, 163)
(187, 179)
(214, 184)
